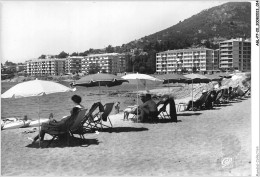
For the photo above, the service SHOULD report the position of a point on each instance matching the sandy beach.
(197, 145)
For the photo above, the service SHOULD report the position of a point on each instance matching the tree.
(194, 69)
(9, 63)
(63, 55)
(74, 54)
(109, 49)
(93, 68)
(142, 69)
(42, 56)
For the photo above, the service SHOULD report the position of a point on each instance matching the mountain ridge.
(226, 21)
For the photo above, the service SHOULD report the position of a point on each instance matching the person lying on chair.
(198, 101)
(210, 100)
(63, 123)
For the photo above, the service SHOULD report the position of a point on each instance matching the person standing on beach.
(63, 123)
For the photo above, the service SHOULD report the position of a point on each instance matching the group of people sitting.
(209, 98)
(146, 111)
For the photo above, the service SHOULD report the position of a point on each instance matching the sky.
(29, 29)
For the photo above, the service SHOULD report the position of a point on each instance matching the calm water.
(60, 103)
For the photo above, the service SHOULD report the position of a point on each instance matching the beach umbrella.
(213, 77)
(35, 88)
(196, 78)
(99, 79)
(171, 78)
(224, 75)
(142, 78)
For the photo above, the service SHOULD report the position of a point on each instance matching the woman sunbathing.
(63, 123)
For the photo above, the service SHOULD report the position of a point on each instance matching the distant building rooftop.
(103, 54)
(41, 60)
(183, 50)
(238, 39)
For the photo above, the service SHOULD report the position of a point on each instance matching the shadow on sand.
(73, 142)
(124, 129)
(167, 121)
(190, 114)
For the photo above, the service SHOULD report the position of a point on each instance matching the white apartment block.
(43, 67)
(236, 54)
(73, 64)
(107, 62)
(172, 61)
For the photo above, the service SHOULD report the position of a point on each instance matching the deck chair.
(218, 97)
(242, 93)
(85, 124)
(102, 116)
(198, 104)
(130, 110)
(71, 125)
(225, 96)
(208, 104)
(88, 124)
(162, 112)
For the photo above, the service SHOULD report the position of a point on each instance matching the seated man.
(148, 108)
(198, 102)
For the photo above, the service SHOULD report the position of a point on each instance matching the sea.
(60, 104)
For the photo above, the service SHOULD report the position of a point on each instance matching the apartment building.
(73, 64)
(45, 67)
(199, 59)
(106, 63)
(236, 54)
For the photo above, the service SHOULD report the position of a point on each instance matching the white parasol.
(35, 88)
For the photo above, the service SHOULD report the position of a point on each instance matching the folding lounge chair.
(225, 96)
(242, 94)
(218, 97)
(130, 110)
(71, 125)
(103, 115)
(162, 112)
(89, 123)
(198, 104)
(208, 104)
(85, 124)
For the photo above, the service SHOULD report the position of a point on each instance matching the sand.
(195, 146)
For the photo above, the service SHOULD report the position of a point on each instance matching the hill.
(207, 28)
